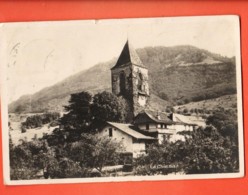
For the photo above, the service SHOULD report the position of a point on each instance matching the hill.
(177, 75)
(224, 102)
(183, 74)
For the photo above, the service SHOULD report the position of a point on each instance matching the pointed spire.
(128, 55)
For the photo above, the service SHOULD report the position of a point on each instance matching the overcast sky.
(41, 54)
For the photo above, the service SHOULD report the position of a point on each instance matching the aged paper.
(121, 100)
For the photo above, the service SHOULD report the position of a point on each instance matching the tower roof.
(128, 55)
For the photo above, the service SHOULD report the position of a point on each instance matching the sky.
(39, 54)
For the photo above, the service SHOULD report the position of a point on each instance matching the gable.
(130, 131)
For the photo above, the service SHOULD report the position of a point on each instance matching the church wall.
(137, 101)
(127, 92)
(115, 76)
(136, 71)
(140, 101)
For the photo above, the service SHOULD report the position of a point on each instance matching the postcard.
(121, 100)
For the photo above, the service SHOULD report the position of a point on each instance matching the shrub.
(39, 120)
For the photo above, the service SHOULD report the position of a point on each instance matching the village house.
(129, 137)
(130, 80)
(162, 126)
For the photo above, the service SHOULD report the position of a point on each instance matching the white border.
(4, 113)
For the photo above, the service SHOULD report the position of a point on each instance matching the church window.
(122, 83)
(147, 126)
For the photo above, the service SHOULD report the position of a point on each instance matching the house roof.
(148, 116)
(130, 130)
(128, 55)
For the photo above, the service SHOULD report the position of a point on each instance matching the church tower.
(130, 80)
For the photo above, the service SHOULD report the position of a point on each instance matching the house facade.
(128, 136)
(163, 126)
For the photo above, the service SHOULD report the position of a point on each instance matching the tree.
(204, 150)
(85, 115)
(27, 159)
(108, 107)
(207, 151)
(157, 159)
(95, 151)
(225, 123)
(164, 96)
(79, 116)
(39, 120)
(185, 111)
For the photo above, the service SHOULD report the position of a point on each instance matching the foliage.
(95, 151)
(87, 114)
(32, 160)
(164, 96)
(27, 159)
(158, 159)
(78, 117)
(226, 123)
(209, 152)
(65, 168)
(39, 120)
(108, 107)
(204, 150)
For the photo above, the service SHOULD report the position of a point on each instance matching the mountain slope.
(177, 74)
(223, 102)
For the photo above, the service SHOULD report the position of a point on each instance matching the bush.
(39, 120)
(127, 168)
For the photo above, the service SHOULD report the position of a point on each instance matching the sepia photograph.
(121, 100)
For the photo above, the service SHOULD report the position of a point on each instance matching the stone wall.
(131, 82)
(140, 94)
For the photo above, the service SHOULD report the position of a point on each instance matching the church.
(129, 79)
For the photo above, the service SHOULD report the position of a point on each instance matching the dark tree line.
(39, 120)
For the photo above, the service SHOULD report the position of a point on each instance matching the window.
(122, 83)
(110, 132)
(147, 126)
